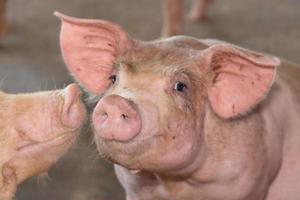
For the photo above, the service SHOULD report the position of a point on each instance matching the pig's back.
(289, 73)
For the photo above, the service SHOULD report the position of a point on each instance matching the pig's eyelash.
(113, 78)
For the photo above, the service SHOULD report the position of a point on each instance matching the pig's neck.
(236, 156)
(246, 150)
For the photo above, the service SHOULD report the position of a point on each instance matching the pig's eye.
(179, 86)
(113, 78)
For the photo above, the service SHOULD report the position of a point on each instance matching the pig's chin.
(37, 157)
(158, 153)
(126, 154)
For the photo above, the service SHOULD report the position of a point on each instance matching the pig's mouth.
(34, 147)
(36, 157)
(132, 151)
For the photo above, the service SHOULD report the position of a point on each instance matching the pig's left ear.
(240, 78)
(90, 49)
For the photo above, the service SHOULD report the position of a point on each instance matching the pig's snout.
(73, 112)
(116, 118)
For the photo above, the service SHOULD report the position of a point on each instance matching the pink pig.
(188, 119)
(3, 22)
(35, 131)
(173, 17)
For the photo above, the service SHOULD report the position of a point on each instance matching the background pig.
(35, 130)
(3, 23)
(173, 18)
(184, 118)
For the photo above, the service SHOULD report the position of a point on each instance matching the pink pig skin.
(188, 119)
(35, 131)
(173, 15)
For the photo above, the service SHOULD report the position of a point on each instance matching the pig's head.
(35, 130)
(151, 98)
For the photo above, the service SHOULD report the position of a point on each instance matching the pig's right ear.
(90, 49)
(239, 78)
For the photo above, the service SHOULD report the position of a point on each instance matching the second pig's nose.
(73, 113)
(116, 118)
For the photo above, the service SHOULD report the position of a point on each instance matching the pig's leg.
(3, 23)
(172, 17)
(8, 190)
(198, 10)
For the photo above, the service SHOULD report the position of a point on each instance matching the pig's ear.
(90, 49)
(240, 78)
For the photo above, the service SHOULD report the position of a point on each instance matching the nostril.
(124, 116)
(103, 116)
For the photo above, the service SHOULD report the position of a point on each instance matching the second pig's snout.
(115, 118)
(73, 112)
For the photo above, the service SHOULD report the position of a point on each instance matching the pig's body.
(173, 17)
(3, 22)
(191, 119)
(35, 131)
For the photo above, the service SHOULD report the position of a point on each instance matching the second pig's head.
(36, 129)
(151, 98)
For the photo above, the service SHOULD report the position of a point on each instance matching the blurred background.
(30, 60)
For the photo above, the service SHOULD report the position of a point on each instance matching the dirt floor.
(30, 60)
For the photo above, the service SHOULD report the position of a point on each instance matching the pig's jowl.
(185, 118)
